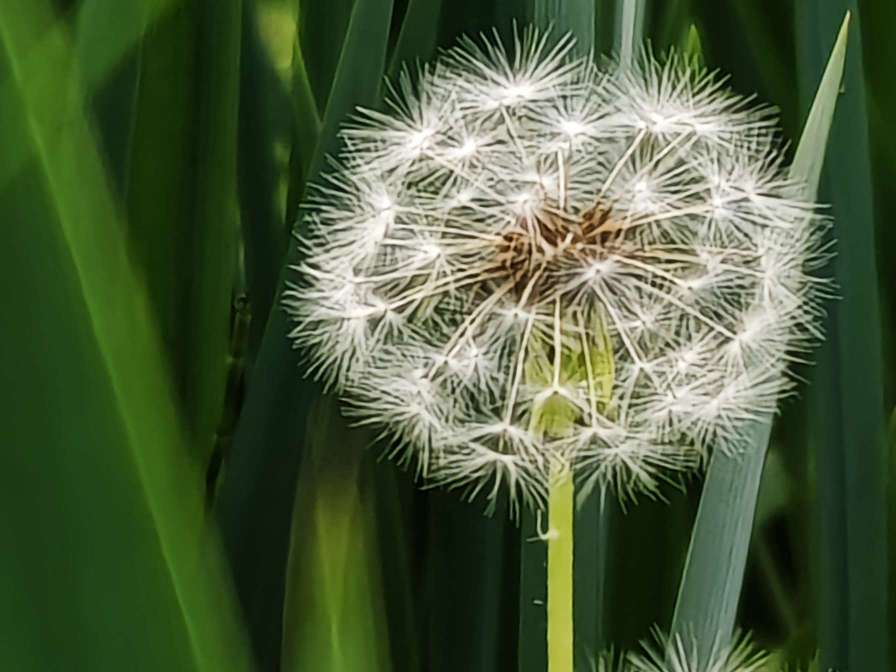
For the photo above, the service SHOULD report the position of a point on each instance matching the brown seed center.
(540, 245)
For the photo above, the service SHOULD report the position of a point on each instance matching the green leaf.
(278, 133)
(215, 226)
(98, 57)
(359, 74)
(113, 565)
(115, 95)
(334, 612)
(815, 140)
(568, 16)
(398, 506)
(630, 18)
(847, 421)
(710, 589)
(417, 39)
(713, 573)
(182, 220)
(159, 203)
(769, 55)
(323, 29)
(122, 27)
(306, 131)
(691, 48)
(674, 26)
(260, 476)
(468, 596)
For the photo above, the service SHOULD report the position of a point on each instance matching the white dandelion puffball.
(532, 263)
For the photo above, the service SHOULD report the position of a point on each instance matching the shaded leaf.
(115, 567)
(847, 428)
(260, 478)
(710, 590)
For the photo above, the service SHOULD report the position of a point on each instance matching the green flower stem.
(587, 363)
(560, 553)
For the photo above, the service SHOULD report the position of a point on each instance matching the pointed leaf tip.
(810, 152)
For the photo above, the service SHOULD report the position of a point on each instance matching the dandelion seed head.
(530, 260)
(679, 653)
(685, 653)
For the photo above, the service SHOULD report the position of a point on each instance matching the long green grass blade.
(711, 583)
(359, 74)
(417, 39)
(323, 27)
(630, 18)
(334, 612)
(278, 132)
(306, 130)
(467, 595)
(809, 157)
(399, 506)
(575, 17)
(181, 223)
(847, 426)
(98, 58)
(160, 204)
(713, 573)
(593, 521)
(113, 565)
(120, 33)
(215, 219)
(114, 98)
(879, 52)
(260, 478)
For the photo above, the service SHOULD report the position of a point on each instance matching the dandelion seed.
(680, 654)
(663, 653)
(531, 260)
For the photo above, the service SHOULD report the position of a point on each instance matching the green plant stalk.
(560, 575)
(588, 363)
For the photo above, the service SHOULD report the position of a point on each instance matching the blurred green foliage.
(154, 155)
